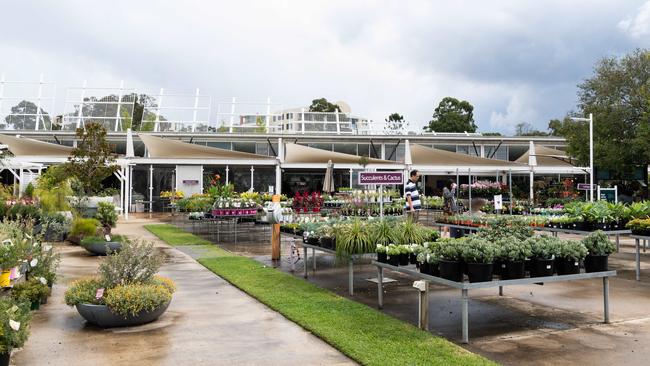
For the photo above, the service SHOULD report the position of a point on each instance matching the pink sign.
(381, 178)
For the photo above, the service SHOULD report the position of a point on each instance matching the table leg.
(351, 277)
(638, 259)
(555, 234)
(645, 243)
(464, 315)
(313, 258)
(424, 308)
(618, 243)
(606, 298)
(380, 287)
(305, 259)
(500, 290)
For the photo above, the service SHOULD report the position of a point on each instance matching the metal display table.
(314, 248)
(637, 244)
(466, 286)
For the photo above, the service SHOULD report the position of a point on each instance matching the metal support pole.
(606, 298)
(150, 188)
(469, 177)
(500, 290)
(618, 243)
(351, 277)
(380, 287)
(313, 259)
(464, 315)
(591, 157)
(638, 258)
(512, 201)
(306, 258)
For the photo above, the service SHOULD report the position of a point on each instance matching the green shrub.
(354, 238)
(83, 291)
(572, 249)
(597, 243)
(450, 248)
(136, 262)
(106, 214)
(132, 299)
(477, 250)
(544, 247)
(511, 249)
(88, 240)
(29, 191)
(84, 227)
(21, 212)
(18, 313)
(30, 291)
(46, 265)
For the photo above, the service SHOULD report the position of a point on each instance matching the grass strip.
(364, 334)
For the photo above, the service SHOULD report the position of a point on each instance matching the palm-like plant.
(409, 232)
(382, 232)
(354, 238)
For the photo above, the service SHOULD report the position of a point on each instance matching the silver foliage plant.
(136, 262)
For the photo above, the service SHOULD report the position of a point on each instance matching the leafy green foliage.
(83, 291)
(84, 227)
(450, 248)
(571, 249)
(354, 239)
(18, 312)
(322, 105)
(135, 298)
(395, 124)
(597, 243)
(452, 115)
(106, 214)
(477, 250)
(511, 248)
(410, 232)
(136, 262)
(544, 246)
(30, 291)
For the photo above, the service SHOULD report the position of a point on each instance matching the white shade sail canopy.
(434, 160)
(166, 148)
(546, 156)
(295, 153)
(30, 147)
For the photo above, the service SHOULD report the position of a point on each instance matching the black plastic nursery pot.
(496, 268)
(413, 259)
(512, 270)
(35, 305)
(542, 267)
(393, 260)
(567, 266)
(479, 272)
(4, 358)
(327, 243)
(382, 257)
(596, 263)
(312, 240)
(403, 259)
(451, 270)
(425, 268)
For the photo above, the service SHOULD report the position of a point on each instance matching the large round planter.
(596, 263)
(542, 267)
(101, 316)
(512, 270)
(451, 270)
(567, 266)
(382, 257)
(479, 272)
(4, 358)
(403, 259)
(102, 247)
(393, 260)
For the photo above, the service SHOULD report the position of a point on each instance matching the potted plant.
(569, 255)
(599, 248)
(107, 216)
(34, 292)
(449, 264)
(102, 245)
(392, 254)
(82, 227)
(126, 292)
(479, 255)
(354, 238)
(428, 259)
(381, 253)
(14, 327)
(326, 235)
(639, 227)
(543, 250)
(512, 255)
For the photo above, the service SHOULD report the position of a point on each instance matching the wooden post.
(275, 234)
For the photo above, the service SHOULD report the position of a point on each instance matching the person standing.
(449, 207)
(412, 197)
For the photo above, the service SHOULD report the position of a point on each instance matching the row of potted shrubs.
(481, 256)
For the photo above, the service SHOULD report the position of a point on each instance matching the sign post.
(586, 187)
(381, 179)
(498, 203)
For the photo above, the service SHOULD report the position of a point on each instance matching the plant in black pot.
(479, 255)
(14, 327)
(34, 292)
(81, 228)
(107, 216)
(381, 253)
(543, 250)
(414, 250)
(599, 248)
(404, 254)
(428, 259)
(326, 235)
(393, 254)
(354, 238)
(512, 255)
(450, 264)
(569, 255)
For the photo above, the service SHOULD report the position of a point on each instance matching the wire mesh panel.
(26, 105)
(235, 116)
(178, 112)
(113, 108)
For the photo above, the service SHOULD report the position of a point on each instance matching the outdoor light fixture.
(591, 152)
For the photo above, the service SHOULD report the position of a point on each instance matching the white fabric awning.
(166, 148)
(546, 157)
(299, 154)
(30, 147)
(426, 156)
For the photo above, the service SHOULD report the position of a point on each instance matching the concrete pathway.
(209, 322)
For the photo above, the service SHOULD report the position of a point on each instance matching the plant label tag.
(503, 266)
(99, 294)
(33, 263)
(14, 325)
(576, 263)
(107, 237)
(548, 266)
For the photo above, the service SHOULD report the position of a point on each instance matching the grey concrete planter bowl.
(101, 247)
(101, 316)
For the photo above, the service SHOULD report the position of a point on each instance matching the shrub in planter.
(44, 264)
(414, 250)
(14, 326)
(381, 253)
(326, 235)
(33, 291)
(131, 293)
(569, 255)
(428, 259)
(404, 253)
(479, 255)
(410, 232)
(353, 238)
(512, 255)
(382, 232)
(82, 227)
(599, 248)
(393, 254)
(449, 264)
(543, 249)
(106, 215)
(639, 227)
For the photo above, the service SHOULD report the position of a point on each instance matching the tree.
(23, 117)
(452, 115)
(322, 105)
(92, 160)
(526, 129)
(395, 124)
(261, 125)
(618, 95)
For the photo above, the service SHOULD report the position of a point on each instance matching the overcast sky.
(515, 61)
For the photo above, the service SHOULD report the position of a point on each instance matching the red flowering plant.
(218, 189)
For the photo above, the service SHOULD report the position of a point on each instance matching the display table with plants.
(126, 291)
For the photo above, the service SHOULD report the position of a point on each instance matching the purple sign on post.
(584, 186)
(381, 178)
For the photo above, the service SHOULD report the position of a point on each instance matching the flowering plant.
(483, 189)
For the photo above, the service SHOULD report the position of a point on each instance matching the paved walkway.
(209, 322)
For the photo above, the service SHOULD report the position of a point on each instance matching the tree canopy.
(618, 95)
(395, 124)
(322, 105)
(526, 129)
(23, 117)
(452, 115)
